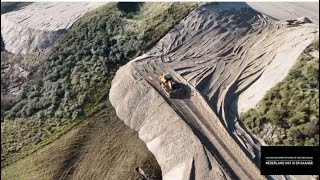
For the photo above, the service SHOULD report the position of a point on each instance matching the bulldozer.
(169, 85)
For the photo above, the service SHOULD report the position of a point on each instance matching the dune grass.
(78, 71)
(292, 106)
(100, 147)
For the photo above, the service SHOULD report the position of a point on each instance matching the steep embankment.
(38, 25)
(219, 52)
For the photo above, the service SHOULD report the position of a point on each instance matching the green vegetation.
(24, 136)
(316, 44)
(78, 71)
(101, 142)
(12, 6)
(292, 106)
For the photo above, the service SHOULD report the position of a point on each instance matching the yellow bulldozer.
(169, 85)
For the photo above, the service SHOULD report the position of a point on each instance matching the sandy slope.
(275, 72)
(286, 57)
(223, 53)
(288, 10)
(38, 25)
(173, 143)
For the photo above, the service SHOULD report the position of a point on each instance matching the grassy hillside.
(315, 44)
(100, 147)
(292, 106)
(78, 71)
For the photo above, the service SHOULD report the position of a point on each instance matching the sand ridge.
(218, 53)
(38, 25)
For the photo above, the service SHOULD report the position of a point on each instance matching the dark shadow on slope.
(2, 44)
(183, 93)
(221, 6)
(233, 118)
(129, 7)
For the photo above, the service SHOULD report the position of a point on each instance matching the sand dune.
(38, 25)
(288, 10)
(228, 58)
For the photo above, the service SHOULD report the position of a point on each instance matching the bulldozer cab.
(167, 77)
(168, 84)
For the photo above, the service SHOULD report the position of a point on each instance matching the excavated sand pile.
(172, 142)
(288, 10)
(230, 58)
(38, 25)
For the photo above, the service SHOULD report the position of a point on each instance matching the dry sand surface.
(228, 59)
(38, 25)
(288, 10)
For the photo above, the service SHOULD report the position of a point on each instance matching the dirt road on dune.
(207, 128)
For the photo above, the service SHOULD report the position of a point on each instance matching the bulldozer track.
(231, 163)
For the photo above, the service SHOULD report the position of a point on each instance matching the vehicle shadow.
(183, 93)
